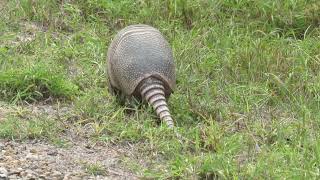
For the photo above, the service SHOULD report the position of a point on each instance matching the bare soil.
(40, 160)
(80, 158)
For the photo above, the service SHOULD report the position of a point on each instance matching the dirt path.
(40, 160)
(78, 158)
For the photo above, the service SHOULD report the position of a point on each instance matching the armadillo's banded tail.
(153, 92)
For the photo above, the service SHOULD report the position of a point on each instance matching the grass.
(94, 169)
(34, 84)
(40, 128)
(247, 97)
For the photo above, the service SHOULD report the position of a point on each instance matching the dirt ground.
(39, 159)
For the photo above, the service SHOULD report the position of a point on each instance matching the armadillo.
(140, 64)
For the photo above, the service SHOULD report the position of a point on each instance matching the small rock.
(13, 176)
(66, 176)
(9, 144)
(52, 153)
(8, 158)
(46, 174)
(33, 151)
(2, 146)
(30, 174)
(3, 173)
(88, 146)
(32, 157)
(56, 174)
(90, 152)
(16, 171)
(31, 177)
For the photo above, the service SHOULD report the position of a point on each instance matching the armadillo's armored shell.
(138, 52)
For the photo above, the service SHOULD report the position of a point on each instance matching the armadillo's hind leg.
(111, 90)
(120, 97)
(152, 91)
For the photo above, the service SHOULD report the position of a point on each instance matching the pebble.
(52, 153)
(56, 174)
(33, 151)
(16, 171)
(2, 146)
(13, 176)
(71, 177)
(32, 157)
(29, 174)
(3, 173)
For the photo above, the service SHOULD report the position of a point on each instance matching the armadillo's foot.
(153, 92)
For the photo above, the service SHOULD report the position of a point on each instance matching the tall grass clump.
(34, 84)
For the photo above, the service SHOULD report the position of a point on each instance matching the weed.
(94, 168)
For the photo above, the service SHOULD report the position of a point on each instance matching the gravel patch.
(39, 160)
